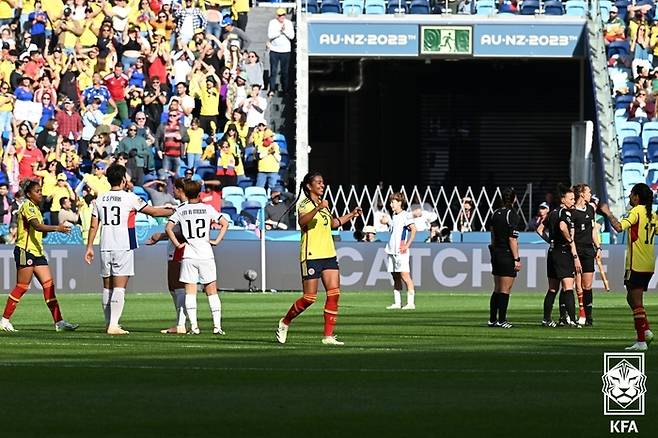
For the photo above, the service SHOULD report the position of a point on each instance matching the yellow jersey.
(317, 242)
(209, 101)
(640, 255)
(27, 238)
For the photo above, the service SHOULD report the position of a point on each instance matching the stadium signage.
(446, 40)
(544, 41)
(362, 39)
(624, 388)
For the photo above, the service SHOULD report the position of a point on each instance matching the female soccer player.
(505, 259)
(317, 257)
(562, 262)
(174, 258)
(31, 260)
(403, 231)
(587, 247)
(640, 257)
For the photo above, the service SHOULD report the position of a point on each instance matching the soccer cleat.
(589, 322)
(393, 307)
(504, 324)
(116, 330)
(409, 307)
(582, 320)
(218, 331)
(281, 332)
(6, 326)
(573, 324)
(65, 326)
(331, 340)
(638, 346)
(492, 323)
(648, 336)
(194, 331)
(549, 323)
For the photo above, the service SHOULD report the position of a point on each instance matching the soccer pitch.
(436, 371)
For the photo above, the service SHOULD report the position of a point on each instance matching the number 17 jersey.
(116, 211)
(640, 255)
(195, 220)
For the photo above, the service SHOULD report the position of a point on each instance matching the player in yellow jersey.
(641, 224)
(317, 257)
(31, 260)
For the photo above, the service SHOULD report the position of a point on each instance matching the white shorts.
(197, 271)
(120, 263)
(398, 262)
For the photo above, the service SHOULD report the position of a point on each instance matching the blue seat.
(235, 200)
(46, 218)
(485, 7)
(652, 150)
(230, 210)
(576, 8)
(372, 7)
(257, 194)
(310, 6)
(419, 7)
(621, 48)
(245, 182)
(621, 115)
(206, 171)
(631, 150)
(649, 130)
(280, 139)
(529, 7)
(604, 7)
(142, 219)
(553, 7)
(652, 175)
(352, 7)
(232, 190)
(628, 129)
(631, 174)
(330, 7)
(623, 101)
(251, 207)
(397, 7)
(139, 191)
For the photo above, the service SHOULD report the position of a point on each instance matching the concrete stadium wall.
(434, 267)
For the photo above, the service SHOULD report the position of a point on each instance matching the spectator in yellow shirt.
(240, 12)
(194, 148)
(62, 190)
(269, 160)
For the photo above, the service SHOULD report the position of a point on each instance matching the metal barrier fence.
(446, 203)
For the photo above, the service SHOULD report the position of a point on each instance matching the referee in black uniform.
(505, 260)
(562, 262)
(587, 246)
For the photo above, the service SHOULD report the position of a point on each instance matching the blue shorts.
(312, 269)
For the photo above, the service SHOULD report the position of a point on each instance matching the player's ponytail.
(303, 188)
(645, 195)
(562, 190)
(28, 185)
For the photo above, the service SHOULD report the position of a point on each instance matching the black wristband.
(518, 259)
(575, 256)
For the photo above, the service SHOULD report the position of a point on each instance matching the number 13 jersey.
(317, 242)
(116, 211)
(640, 255)
(195, 220)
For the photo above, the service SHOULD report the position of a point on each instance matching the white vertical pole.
(263, 263)
(302, 148)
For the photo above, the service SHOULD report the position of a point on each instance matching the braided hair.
(303, 188)
(645, 194)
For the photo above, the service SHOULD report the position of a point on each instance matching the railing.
(446, 203)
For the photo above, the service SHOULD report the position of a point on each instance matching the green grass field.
(436, 371)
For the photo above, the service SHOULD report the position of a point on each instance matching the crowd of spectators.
(165, 87)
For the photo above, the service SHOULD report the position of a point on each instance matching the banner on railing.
(362, 39)
(523, 40)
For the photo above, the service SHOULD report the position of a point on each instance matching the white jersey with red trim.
(116, 211)
(195, 220)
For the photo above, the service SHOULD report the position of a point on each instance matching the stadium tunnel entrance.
(453, 123)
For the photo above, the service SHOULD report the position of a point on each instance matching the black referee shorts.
(560, 264)
(587, 257)
(634, 279)
(502, 262)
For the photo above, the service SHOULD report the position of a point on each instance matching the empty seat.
(652, 150)
(397, 7)
(230, 211)
(622, 6)
(310, 6)
(623, 101)
(485, 7)
(252, 208)
(372, 7)
(280, 139)
(256, 194)
(621, 116)
(206, 171)
(246, 182)
(628, 129)
(232, 190)
(649, 130)
(529, 7)
(652, 175)
(419, 7)
(631, 150)
(553, 7)
(330, 7)
(352, 7)
(621, 48)
(631, 174)
(604, 7)
(576, 8)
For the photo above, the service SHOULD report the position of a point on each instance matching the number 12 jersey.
(195, 220)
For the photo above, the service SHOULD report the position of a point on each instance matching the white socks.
(215, 310)
(190, 306)
(179, 301)
(396, 298)
(117, 301)
(105, 302)
(410, 297)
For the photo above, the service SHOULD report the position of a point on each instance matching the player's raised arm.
(157, 211)
(338, 222)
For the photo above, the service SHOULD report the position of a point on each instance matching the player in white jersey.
(174, 259)
(198, 265)
(115, 212)
(403, 232)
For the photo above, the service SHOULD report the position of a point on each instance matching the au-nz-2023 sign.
(362, 39)
(523, 40)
